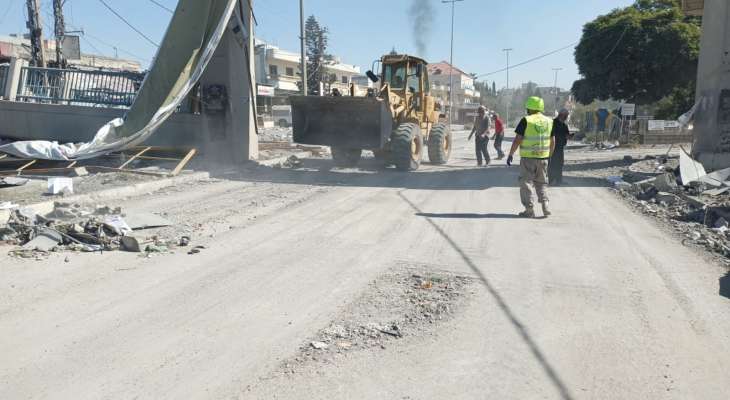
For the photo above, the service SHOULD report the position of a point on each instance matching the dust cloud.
(421, 16)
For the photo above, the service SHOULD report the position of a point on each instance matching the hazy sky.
(361, 31)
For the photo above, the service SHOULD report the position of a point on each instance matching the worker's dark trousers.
(481, 149)
(498, 144)
(555, 167)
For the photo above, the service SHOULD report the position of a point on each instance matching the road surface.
(594, 303)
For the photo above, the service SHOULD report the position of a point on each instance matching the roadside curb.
(282, 159)
(46, 207)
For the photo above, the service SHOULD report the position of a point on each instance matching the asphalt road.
(593, 303)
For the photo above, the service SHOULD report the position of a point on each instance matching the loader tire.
(406, 147)
(439, 144)
(344, 157)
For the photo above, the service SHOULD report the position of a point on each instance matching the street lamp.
(509, 96)
(451, 59)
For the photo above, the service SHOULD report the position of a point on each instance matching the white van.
(281, 115)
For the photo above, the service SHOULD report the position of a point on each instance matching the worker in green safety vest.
(536, 141)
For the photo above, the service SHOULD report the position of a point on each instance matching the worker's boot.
(528, 213)
(546, 209)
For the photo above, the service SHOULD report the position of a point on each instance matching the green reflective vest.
(536, 143)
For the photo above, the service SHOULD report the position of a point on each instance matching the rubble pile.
(72, 227)
(395, 306)
(694, 203)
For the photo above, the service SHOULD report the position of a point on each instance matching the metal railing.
(77, 87)
(4, 69)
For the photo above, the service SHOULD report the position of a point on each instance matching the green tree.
(640, 53)
(317, 57)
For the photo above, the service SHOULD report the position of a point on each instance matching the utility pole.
(60, 32)
(36, 34)
(556, 79)
(509, 95)
(557, 91)
(451, 59)
(303, 38)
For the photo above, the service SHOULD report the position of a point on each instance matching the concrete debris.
(7, 205)
(11, 181)
(399, 305)
(138, 221)
(666, 199)
(666, 183)
(320, 345)
(60, 185)
(131, 244)
(117, 224)
(45, 240)
(72, 227)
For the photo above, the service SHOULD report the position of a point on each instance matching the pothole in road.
(402, 304)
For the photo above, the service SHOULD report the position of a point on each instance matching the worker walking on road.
(498, 136)
(536, 142)
(481, 141)
(557, 160)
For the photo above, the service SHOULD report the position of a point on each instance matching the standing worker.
(481, 129)
(557, 160)
(498, 135)
(536, 143)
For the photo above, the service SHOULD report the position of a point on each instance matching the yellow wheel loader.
(397, 122)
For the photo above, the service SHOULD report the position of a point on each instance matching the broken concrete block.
(60, 185)
(666, 183)
(666, 198)
(46, 240)
(721, 222)
(131, 244)
(320, 345)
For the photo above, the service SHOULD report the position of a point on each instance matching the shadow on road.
(540, 357)
(370, 173)
(725, 286)
(469, 216)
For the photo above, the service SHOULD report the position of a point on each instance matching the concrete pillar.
(712, 116)
(230, 135)
(13, 78)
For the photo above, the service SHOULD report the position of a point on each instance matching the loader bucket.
(346, 122)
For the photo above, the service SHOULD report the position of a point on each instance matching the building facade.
(18, 46)
(278, 75)
(465, 96)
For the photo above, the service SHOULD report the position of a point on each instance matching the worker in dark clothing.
(557, 160)
(481, 129)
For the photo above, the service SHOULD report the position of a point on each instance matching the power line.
(128, 23)
(529, 61)
(162, 6)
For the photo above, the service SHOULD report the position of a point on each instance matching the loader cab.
(407, 77)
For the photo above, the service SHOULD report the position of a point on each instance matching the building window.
(344, 79)
(289, 71)
(273, 70)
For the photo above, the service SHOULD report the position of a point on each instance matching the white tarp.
(192, 37)
(690, 170)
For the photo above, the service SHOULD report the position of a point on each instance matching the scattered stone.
(131, 244)
(184, 241)
(319, 345)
